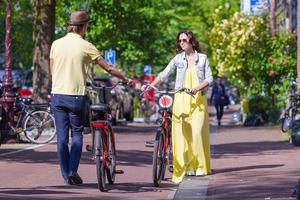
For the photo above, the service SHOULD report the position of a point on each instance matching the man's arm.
(110, 69)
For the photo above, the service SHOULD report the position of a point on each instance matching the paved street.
(247, 163)
(34, 173)
(252, 163)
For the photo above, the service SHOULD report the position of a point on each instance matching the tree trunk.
(43, 36)
(298, 45)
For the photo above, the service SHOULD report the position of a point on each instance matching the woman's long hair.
(192, 40)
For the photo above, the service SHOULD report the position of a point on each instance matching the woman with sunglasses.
(190, 125)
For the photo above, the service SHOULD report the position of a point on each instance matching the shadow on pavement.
(260, 190)
(234, 169)
(31, 156)
(125, 157)
(130, 129)
(131, 187)
(249, 148)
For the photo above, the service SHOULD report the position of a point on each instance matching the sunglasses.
(183, 40)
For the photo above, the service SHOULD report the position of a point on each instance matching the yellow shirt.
(71, 56)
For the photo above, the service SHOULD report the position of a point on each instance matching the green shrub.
(260, 105)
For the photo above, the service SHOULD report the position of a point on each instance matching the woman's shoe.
(190, 173)
(199, 173)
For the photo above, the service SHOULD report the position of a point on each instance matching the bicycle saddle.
(101, 107)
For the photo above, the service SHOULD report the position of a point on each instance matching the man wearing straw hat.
(69, 61)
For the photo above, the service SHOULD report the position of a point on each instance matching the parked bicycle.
(34, 120)
(290, 112)
(103, 146)
(162, 153)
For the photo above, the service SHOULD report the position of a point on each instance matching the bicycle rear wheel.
(159, 162)
(100, 167)
(39, 127)
(111, 175)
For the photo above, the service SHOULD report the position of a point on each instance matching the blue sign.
(254, 7)
(110, 56)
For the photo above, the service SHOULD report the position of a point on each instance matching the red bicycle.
(103, 145)
(162, 153)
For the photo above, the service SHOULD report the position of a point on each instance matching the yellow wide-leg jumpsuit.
(190, 131)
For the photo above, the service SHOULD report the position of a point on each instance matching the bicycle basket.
(105, 95)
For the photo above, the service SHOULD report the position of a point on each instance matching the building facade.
(285, 15)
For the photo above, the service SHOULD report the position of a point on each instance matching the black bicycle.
(35, 121)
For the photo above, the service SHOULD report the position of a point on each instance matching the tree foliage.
(251, 58)
(142, 32)
(21, 20)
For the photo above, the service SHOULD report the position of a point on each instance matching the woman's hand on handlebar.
(194, 91)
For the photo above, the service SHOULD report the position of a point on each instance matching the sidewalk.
(247, 163)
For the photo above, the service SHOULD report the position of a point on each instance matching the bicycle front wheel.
(159, 162)
(100, 167)
(39, 127)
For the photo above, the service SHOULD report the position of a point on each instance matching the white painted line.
(20, 150)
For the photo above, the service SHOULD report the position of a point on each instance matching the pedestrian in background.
(190, 122)
(70, 57)
(148, 78)
(218, 99)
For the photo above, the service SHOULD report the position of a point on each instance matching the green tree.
(251, 58)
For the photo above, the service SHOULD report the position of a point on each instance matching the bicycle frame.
(107, 132)
(165, 123)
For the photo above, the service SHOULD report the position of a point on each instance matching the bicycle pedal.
(88, 147)
(171, 168)
(19, 131)
(119, 171)
(149, 144)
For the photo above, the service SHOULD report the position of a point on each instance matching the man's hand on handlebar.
(147, 87)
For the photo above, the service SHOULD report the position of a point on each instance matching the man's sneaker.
(75, 179)
(69, 181)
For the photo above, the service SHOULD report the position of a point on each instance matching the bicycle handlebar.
(149, 86)
(92, 84)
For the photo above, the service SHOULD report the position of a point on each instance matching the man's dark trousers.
(219, 109)
(68, 113)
